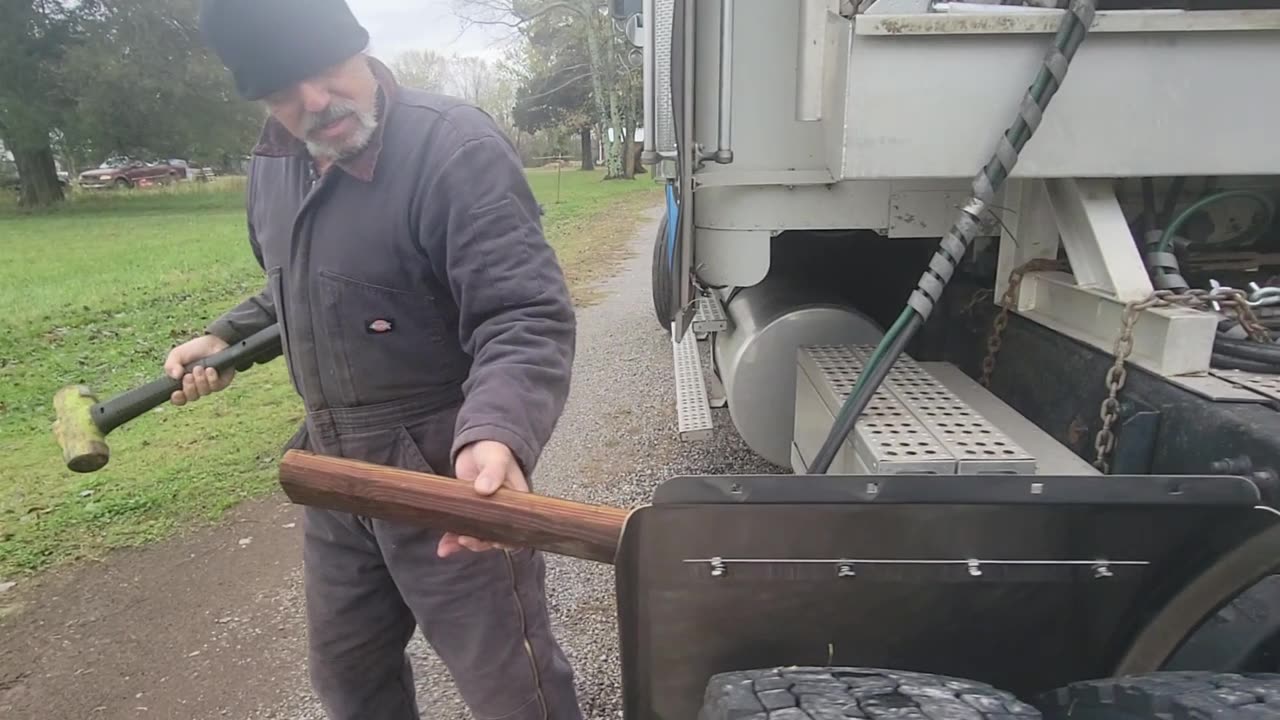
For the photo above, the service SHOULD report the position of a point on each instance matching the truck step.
(926, 418)
(710, 316)
(693, 413)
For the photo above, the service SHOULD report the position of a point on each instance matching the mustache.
(336, 110)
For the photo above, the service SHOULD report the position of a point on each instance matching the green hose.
(894, 330)
(1166, 238)
(874, 361)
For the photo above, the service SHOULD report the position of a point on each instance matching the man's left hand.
(490, 465)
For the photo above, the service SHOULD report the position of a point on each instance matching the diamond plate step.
(914, 423)
(888, 438)
(693, 413)
(710, 316)
(977, 444)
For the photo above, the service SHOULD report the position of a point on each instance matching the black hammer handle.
(263, 346)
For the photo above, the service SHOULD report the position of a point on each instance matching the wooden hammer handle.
(510, 517)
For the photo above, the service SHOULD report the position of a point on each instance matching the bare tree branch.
(504, 12)
(552, 91)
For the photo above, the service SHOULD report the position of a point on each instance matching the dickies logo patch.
(379, 326)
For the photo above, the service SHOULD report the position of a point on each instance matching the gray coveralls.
(421, 310)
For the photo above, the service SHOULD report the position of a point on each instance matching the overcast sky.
(398, 25)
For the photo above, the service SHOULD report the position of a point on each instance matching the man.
(425, 324)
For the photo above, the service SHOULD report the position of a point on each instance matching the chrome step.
(693, 413)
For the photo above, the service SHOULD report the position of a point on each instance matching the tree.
(145, 85)
(488, 85)
(476, 80)
(35, 35)
(423, 69)
(556, 90)
(592, 25)
(630, 88)
(102, 77)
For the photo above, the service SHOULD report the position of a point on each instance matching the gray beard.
(367, 121)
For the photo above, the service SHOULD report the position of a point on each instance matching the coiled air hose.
(1071, 31)
(1163, 264)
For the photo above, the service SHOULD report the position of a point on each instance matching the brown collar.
(277, 141)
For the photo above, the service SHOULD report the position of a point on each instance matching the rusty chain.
(1116, 375)
(1109, 411)
(1105, 441)
(996, 336)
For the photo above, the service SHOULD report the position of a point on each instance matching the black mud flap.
(1026, 583)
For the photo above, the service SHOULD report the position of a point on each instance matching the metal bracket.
(1107, 273)
(716, 395)
(1166, 340)
(1097, 239)
(710, 316)
(1135, 439)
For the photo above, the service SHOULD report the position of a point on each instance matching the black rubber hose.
(1230, 362)
(1246, 349)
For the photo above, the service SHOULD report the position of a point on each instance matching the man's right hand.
(202, 382)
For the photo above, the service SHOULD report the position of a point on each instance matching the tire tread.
(1171, 695)
(841, 693)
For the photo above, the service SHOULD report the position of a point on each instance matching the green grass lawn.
(97, 292)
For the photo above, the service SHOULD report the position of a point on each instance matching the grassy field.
(99, 290)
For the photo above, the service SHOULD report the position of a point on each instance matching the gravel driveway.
(209, 625)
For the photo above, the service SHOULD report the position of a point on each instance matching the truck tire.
(661, 279)
(1241, 637)
(839, 693)
(1169, 695)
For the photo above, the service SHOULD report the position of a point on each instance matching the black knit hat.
(271, 44)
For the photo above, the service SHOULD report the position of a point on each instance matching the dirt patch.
(170, 631)
(609, 233)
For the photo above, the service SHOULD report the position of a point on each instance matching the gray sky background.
(398, 25)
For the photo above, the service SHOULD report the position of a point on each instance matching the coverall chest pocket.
(384, 341)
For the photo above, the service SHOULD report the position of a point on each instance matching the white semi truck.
(949, 264)
(830, 147)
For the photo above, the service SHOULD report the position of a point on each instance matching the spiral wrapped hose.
(955, 243)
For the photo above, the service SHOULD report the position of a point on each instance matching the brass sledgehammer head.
(84, 447)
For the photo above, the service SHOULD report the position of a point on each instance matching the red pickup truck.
(127, 172)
